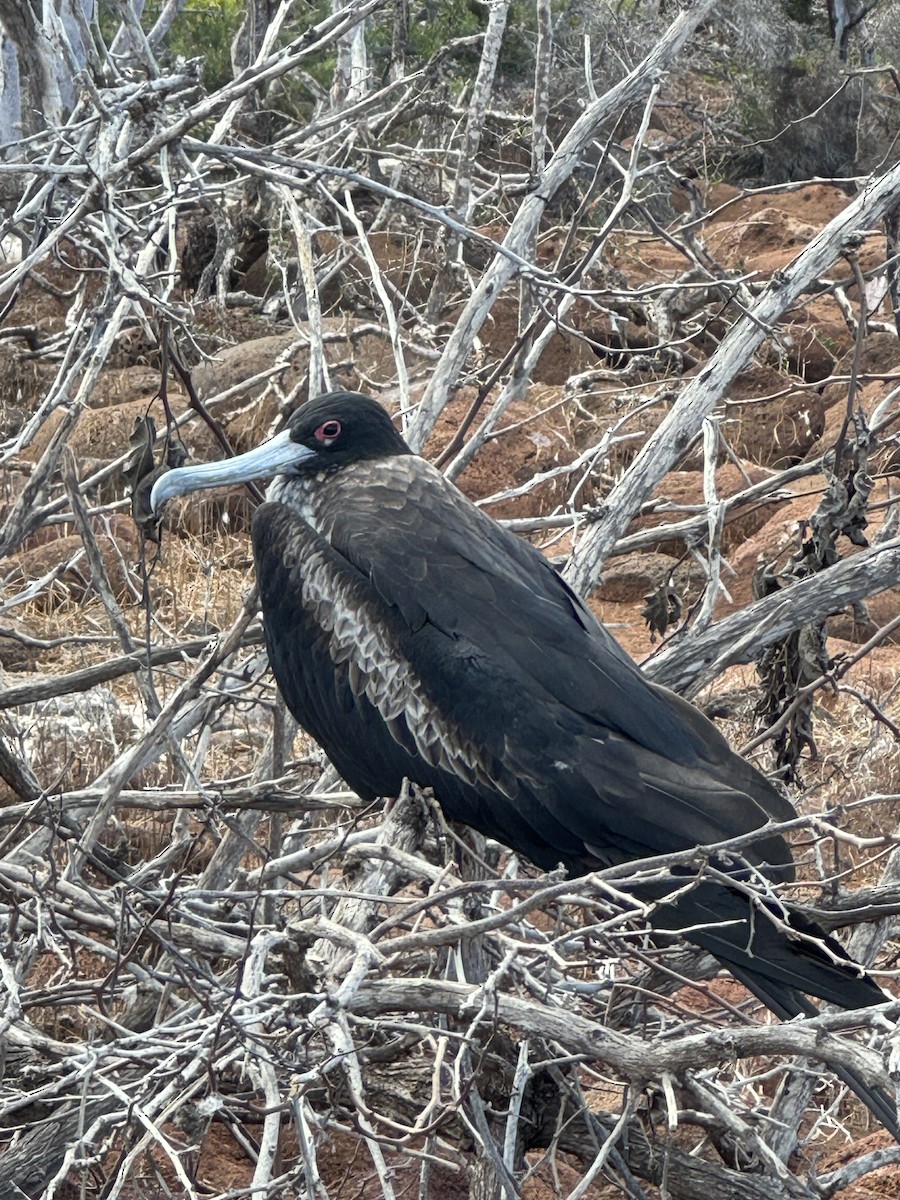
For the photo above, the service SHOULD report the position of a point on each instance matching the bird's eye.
(327, 432)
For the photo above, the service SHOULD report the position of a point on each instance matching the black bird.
(414, 638)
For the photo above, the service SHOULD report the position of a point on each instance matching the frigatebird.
(415, 638)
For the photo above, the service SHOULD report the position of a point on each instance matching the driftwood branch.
(738, 638)
(558, 170)
(698, 397)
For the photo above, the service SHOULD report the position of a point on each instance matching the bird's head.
(324, 434)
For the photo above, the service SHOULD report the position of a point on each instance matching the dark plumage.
(413, 637)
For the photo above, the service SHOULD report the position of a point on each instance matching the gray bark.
(558, 171)
(38, 88)
(702, 393)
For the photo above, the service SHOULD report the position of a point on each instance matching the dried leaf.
(145, 518)
(662, 609)
(140, 458)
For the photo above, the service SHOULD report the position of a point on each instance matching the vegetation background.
(628, 272)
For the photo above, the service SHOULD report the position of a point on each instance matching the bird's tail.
(778, 954)
(785, 1005)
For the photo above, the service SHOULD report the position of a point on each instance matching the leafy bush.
(205, 29)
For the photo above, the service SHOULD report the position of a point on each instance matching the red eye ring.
(327, 432)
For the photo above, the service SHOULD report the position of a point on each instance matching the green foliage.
(434, 23)
(517, 53)
(801, 11)
(205, 29)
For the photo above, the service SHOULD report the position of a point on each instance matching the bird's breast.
(366, 645)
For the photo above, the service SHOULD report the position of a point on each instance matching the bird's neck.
(320, 497)
(304, 494)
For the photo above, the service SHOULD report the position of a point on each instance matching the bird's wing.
(508, 647)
